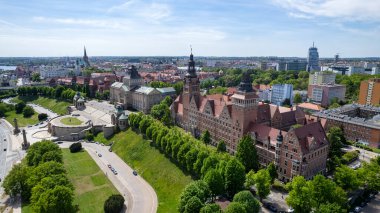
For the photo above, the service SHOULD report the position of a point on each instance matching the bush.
(350, 157)
(277, 185)
(114, 204)
(89, 136)
(19, 107)
(28, 111)
(75, 147)
(42, 116)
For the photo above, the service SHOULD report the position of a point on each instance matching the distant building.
(370, 92)
(355, 70)
(132, 94)
(323, 94)
(322, 78)
(359, 123)
(313, 59)
(375, 71)
(263, 65)
(294, 65)
(85, 59)
(280, 92)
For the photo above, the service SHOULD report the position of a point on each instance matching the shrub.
(89, 136)
(28, 111)
(19, 107)
(75, 147)
(277, 185)
(114, 204)
(349, 157)
(42, 116)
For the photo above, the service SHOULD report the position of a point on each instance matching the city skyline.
(167, 28)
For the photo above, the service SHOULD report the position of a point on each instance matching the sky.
(169, 27)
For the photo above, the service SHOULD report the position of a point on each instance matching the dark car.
(270, 206)
(110, 149)
(134, 173)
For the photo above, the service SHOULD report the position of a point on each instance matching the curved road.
(140, 196)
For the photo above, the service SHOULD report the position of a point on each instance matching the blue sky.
(169, 27)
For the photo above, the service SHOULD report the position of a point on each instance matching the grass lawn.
(22, 122)
(57, 106)
(165, 177)
(71, 121)
(92, 187)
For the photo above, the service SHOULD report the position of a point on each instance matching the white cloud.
(97, 23)
(299, 15)
(152, 12)
(349, 10)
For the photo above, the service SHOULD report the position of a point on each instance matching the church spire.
(191, 66)
(85, 53)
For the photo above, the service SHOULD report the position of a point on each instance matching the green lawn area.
(22, 122)
(71, 121)
(57, 106)
(165, 177)
(92, 187)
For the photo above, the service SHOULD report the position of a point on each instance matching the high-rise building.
(85, 59)
(280, 92)
(312, 59)
(370, 92)
(322, 78)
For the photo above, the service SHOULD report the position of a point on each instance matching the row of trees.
(58, 92)
(21, 107)
(41, 180)
(221, 173)
(161, 111)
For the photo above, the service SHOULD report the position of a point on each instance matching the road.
(364, 154)
(9, 154)
(41, 109)
(140, 196)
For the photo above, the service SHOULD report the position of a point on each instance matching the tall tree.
(346, 178)
(272, 172)
(235, 207)
(193, 205)
(299, 196)
(206, 137)
(262, 183)
(211, 208)
(247, 154)
(221, 146)
(16, 181)
(215, 182)
(246, 198)
(297, 98)
(198, 189)
(234, 177)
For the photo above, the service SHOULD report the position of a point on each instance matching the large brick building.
(360, 123)
(229, 117)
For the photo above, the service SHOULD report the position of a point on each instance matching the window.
(286, 163)
(284, 171)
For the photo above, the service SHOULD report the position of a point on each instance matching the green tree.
(215, 182)
(300, 195)
(369, 175)
(336, 139)
(59, 199)
(297, 98)
(42, 116)
(329, 208)
(211, 208)
(202, 155)
(286, 102)
(234, 177)
(37, 151)
(209, 163)
(36, 77)
(235, 207)
(28, 111)
(193, 205)
(46, 169)
(114, 203)
(249, 179)
(334, 105)
(262, 182)
(206, 137)
(221, 146)
(19, 107)
(198, 189)
(246, 198)
(247, 154)
(16, 181)
(324, 190)
(272, 172)
(346, 178)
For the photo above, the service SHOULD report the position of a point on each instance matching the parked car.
(110, 149)
(115, 172)
(109, 165)
(134, 173)
(270, 206)
(357, 209)
(100, 155)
